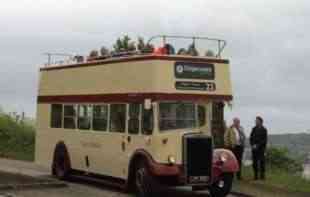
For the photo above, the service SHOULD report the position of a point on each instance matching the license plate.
(198, 179)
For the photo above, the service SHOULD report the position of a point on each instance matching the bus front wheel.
(222, 187)
(146, 186)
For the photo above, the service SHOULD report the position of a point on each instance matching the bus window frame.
(90, 117)
(205, 115)
(196, 104)
(50, 116)
(75, 117)
(126, 116)
(154, 127)
(107, 120)
(76, 106)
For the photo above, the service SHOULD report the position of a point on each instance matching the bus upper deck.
(141, 76)
(159, 74)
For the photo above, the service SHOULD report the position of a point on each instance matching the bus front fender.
(224, 161)
(157, 169)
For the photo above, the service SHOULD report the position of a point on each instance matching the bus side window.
(84, 117)
(134, 118)
(201, 115)
(56, 116)
(100, 117)
(117, 117)
(147, 122)
(70, 113)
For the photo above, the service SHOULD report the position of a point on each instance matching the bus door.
(117, 137)
(140, 127)
(203, 117)
(107, 159)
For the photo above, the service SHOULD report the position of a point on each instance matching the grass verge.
(278, 179)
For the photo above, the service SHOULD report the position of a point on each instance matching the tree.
(278, 157)
(93, 54)
(16, 138)
(124, 44)
(104, 51)
(144, 48)
(1, 110)
(141, 44)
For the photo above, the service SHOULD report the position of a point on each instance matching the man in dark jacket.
(258, 141)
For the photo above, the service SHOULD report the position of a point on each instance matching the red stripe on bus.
(137, 58)
(127, 97)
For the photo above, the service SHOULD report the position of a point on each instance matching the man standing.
(234, 139)
(258, 141)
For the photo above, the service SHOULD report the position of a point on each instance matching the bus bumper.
(224, 161)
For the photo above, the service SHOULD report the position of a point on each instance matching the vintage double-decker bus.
(141, 121)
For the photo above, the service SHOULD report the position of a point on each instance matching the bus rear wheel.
(145, 184)
(61, 169)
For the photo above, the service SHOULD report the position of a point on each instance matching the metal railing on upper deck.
(165, 43)
(220, 43)
(68, 58)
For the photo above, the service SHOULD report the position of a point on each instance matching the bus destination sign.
(201, 86)
(188, 70)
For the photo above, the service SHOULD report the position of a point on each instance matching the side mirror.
(147, 104)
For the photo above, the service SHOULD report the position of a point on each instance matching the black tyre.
(222, 187)
(61, 167)
(199, 188)
(145, 184)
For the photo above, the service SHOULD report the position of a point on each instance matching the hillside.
(297, 144)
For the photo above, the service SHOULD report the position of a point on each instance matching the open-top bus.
(142, 121)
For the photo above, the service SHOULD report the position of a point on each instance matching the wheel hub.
(139, 178)
(221, 184)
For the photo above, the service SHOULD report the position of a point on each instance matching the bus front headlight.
(171, 159)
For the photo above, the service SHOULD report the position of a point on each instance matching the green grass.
(281, 179)
(16, 139)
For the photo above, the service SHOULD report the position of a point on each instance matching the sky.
(268, 45)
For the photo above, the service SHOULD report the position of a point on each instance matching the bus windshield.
(177, 115)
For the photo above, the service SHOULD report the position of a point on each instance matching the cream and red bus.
(141, 121)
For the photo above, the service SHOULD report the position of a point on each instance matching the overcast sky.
(268, 46)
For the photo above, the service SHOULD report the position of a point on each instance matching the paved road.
(23, 167)
(87, 190)
(82, 188)
(76, 187)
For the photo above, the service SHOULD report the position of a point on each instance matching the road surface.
(76, 187)
(83, 188)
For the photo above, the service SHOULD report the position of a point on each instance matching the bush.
(278, 157)
(17, 138)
